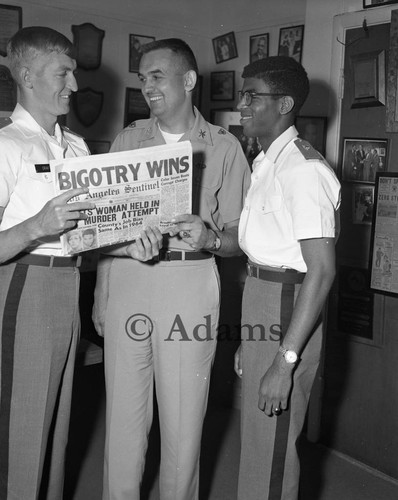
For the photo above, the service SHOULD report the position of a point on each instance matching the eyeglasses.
(248, 96)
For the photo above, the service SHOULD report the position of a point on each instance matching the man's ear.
(287, 104)
(25, 77)
(190, 79)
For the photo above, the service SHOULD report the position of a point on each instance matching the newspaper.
(132, 190)
(384, 271)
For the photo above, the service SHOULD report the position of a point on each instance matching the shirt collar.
(280, 143)
(200, 131)
(23, 119)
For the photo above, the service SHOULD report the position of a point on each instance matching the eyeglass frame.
(242, 95)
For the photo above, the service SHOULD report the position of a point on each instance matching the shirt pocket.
(39, 172)
(268, 204)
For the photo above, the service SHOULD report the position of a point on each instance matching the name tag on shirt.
(42, 168)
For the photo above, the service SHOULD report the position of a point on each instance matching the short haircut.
(179, 47)
(89, 231)
(284, 75)
(30, 42)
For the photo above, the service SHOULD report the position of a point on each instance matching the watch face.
(291, 356)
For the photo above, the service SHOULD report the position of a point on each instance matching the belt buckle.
(252, 270)
(166, 255)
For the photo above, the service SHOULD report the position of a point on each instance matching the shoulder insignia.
(67, 129)
(132, 125)
(308, 151)
(222, 131)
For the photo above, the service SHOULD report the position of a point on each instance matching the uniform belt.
(48, 260)
(169, 255)
(289, 276)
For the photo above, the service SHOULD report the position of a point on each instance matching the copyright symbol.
(139, 327)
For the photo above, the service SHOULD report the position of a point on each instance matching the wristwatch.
(291, 357)
(216, 243)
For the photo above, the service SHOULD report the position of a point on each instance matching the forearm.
(309, 304)
(17, 239)
(229, 242)
(115, 250)
(56, 217)
(103, 272)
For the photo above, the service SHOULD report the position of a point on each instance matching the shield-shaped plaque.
(88, 42)
(87, 105)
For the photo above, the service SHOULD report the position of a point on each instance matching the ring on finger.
(277, 411)
(186, 234)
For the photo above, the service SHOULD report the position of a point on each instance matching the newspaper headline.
(132, 190)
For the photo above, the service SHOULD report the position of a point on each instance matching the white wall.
(119, 18)
(113, 76)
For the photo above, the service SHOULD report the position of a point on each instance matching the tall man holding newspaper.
(161, 318)
(39, 316)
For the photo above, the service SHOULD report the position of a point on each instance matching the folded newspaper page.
(132, 190)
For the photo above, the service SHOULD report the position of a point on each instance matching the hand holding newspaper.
(132, 190)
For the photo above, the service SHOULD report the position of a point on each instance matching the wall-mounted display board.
(384, 240)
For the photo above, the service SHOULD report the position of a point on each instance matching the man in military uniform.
(39, 309)
(287, 229)
(38, 287)
(171, 301)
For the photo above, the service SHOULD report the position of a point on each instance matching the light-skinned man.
(39, 315)
(155, 311)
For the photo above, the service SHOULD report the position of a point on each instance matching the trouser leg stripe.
(283, 421)
(7, 365)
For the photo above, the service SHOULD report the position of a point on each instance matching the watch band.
(289, 355)
(216, 243)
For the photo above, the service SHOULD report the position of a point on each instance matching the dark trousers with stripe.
(269, 464)
(39, 321)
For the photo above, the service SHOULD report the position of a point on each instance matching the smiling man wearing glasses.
(287, 229)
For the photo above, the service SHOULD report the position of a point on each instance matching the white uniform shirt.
(25, 182)
(294, 195)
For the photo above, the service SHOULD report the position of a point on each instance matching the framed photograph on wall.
(135, 107)
(136, 42)
(362, 203)
(10, 23)
(313, 130)
(250, 145)
(363, 159)
(377, 3)
(291, 42)
(214, 112)
(222, 85)
(259, 47)
(225, 47)
(230, 120)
